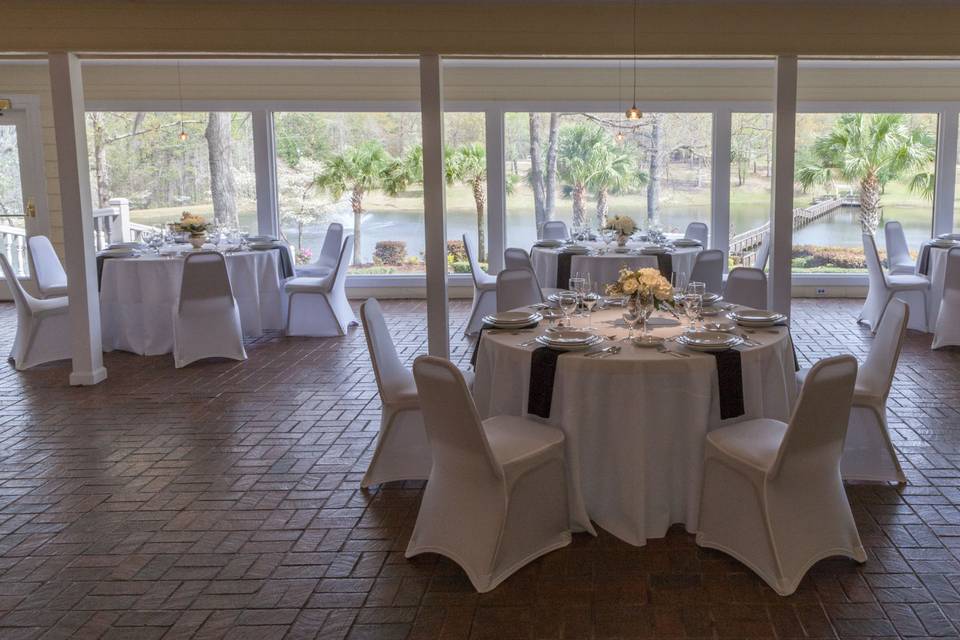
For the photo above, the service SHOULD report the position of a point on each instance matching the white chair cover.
(497, 494)
(484, 290)
(947, 330)
(898, 253)
(318, 307)
(43, 326)
(772, 493)
(708, 268)
(514, 258)
(882, 287)
(868, 452)
(206, 321)
(763, 253)
(326, 262)
(45, 266)
(746, 286)
(697, 231)
(554, 230)
(516, 288)
(402, 451)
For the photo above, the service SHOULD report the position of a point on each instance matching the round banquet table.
(604, 268)
(138, 298)
(635, 422)
(937, 272)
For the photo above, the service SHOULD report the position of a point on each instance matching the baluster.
(8, 245)
(21, 256)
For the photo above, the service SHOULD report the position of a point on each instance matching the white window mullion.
(265, 168)
(946, 171)
(496, 190)
(720, 182)
(781, 216)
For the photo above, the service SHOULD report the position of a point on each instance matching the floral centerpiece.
(647, 290)
(194, 226)
(624, 226)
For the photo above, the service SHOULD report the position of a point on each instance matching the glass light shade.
(633, 113)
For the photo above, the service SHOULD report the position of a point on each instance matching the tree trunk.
(603, 206)
(356, 203)
(579, 207)
(550, 189)
(536, 173)
(223, 188)
(655, 168)
(100, 159)
(869, 203)
(480, 198)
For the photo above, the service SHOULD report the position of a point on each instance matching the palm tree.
(612, 171)
(575, 164)
(468, 165)
(872, 150)
(359, 170)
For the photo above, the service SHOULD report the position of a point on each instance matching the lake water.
(841, 228)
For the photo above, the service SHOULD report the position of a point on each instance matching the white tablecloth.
(138, 296)
(604, 269)
(635, 422)
(937, 271)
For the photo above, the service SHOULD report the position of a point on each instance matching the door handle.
(31, 208)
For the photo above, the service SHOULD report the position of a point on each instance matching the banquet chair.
(772, 494)
(898, 253)
(882, 287)
(484, 290)
(326, 262)
(708, 268)
(514, 258)
(697, 231)
(43, 326)
(868, 453)
(318, 307)
(206, 320)
(947, 330)
(746, 286)
(45, 266)
(554, 230)
(516, 288)
(496, 498)
(763, 253)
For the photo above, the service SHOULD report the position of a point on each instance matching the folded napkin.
(563, 269)
(543, 371)
(730, 379)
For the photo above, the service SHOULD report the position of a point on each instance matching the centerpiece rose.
(193, 225)
(646, 290)
(624, 226)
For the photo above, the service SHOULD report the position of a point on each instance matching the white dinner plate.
(943, 244)
(709, 340)
(262, 246)
(548, 341)
(555, 297)
(653, 251)
(949, 236)
(118, 253)
(512, 318)
(720, 324)
(548, 243)
(687, 242)
(124, 245)
(576, 249)
(757, 315)
(710, 298)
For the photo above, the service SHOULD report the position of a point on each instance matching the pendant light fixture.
(619, 137)
(183, 134)
(633, 113)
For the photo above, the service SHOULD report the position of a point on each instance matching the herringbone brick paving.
(223, 501)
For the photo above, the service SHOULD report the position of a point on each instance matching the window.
(12, 221)
(140, 156)
(856, 171)
(466, 194)
(582, 167)
(751, 176)
(363, 170)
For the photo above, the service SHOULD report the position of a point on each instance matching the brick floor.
(223, 501)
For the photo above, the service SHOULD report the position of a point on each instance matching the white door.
(22, 202)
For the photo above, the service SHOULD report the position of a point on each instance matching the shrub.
(456, 251)
(304, 256)
(390, 252)
(460, 266)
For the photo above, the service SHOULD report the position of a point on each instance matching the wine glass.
(568, 303)
(576, 286)
(631, 316)
(698, 289)
(678, 279)
(590, 299)
(691, 306)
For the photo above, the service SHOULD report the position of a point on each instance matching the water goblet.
(590, 300)
(568, 303)
(691, 306)
(699, 289)
(631, 316)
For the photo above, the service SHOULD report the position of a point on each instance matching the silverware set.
(603, 353)
(676, 354)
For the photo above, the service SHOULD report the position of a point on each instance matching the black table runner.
(730, 380)
(285, 265)
(665, 264)
(543, 372)
(476, 345)
(923, 260)
(563, 269)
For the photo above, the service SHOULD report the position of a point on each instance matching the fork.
(675, 354)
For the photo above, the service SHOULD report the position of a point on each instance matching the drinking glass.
(568, 303)
(678, 279)
(691, 306)
(631, 316)
(699, 289)
(576, 284)
(590, 300)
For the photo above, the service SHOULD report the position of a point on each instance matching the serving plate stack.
(709, 340)
(555, 297)
(568, 339)
(687, 242)
(949, 236)
(943, 243)
(119, 252)
(513, 319)
(757, 317)
(653, 250)
(125, 245)
(548, 244)
(576, 249)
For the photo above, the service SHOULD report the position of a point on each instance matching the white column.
(434, 205)
(946, 172)
(496, 190)
(781, 216)
(66, 87)
(720, 183)
(265, 167)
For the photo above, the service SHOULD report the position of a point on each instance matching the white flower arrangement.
(623, 225)
(644, 283)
